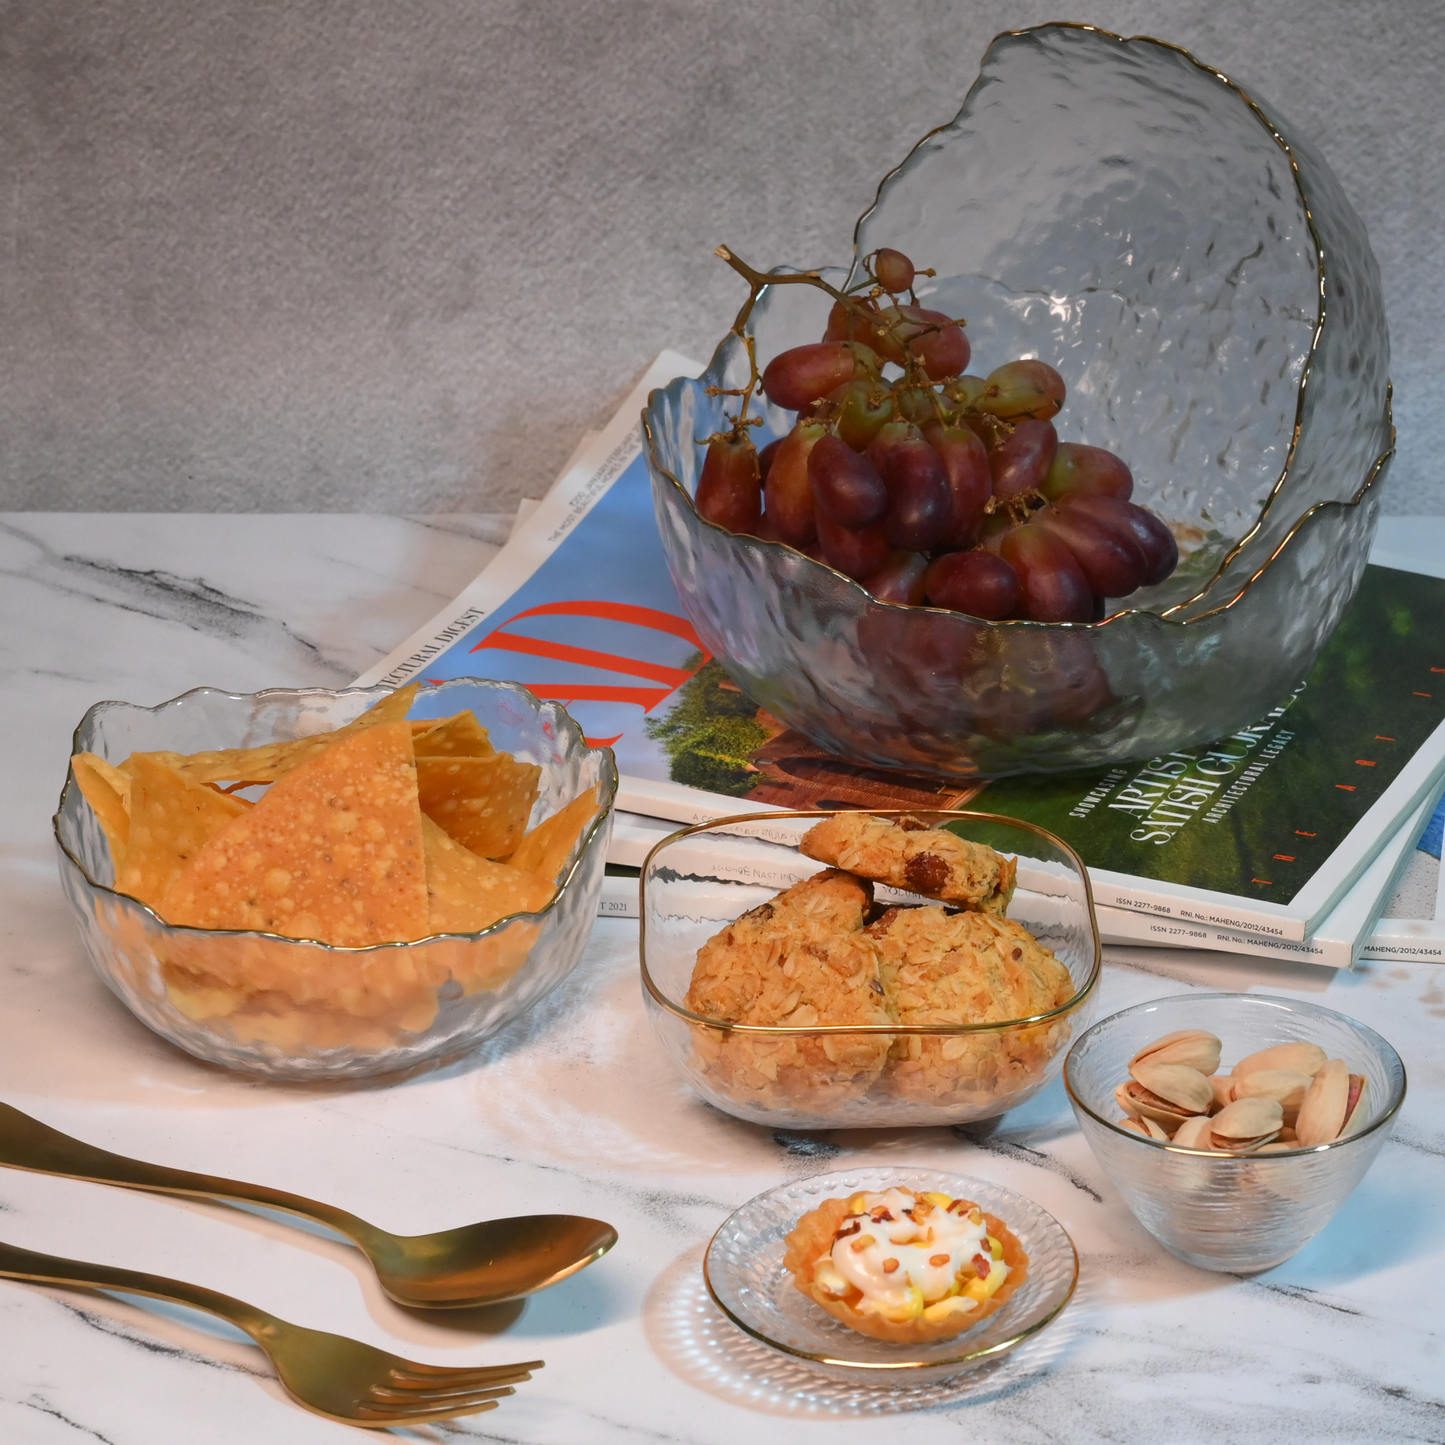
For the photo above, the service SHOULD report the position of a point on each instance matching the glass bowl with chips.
(305, 883)
(790, 993)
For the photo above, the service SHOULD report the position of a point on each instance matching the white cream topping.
(905, 1253)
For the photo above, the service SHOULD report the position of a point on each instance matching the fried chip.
(459, 736)
(484, 803)
(547, 848)
(272, 761)
(107, 790)
(466, 893)
(171, 821)
(333, 851)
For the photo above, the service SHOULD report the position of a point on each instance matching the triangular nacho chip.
(107, 790)
(459, 736)
(546, 850)
(272, 761)
(171, 821)
(466, 893)
(484, 803)
(332, 852)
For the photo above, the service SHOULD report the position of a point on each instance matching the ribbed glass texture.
(748, 1280)
(285, 1009)
(1240, 1214)
(1197, 275)
(696, 882)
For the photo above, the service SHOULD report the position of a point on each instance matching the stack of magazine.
(1288, 839)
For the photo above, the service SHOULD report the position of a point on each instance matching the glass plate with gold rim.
(746, 1277)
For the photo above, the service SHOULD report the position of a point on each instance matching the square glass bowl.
(1236, 1213)
(700, 879)
(289, 1009)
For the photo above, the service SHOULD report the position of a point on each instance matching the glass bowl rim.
(1383, 1046)
(608, 782)
(680, 384)
(882, 1366)
(1075, 1001)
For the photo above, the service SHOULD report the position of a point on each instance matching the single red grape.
(920, 505)
(893, 269)
(788, 492)
(1052, 586)
(846, 486)
(899, 579)
(1080, 469)
(796, 378)
(1112, 560)
(978, 583)
(1161, 551)
(932, 336)
(1023, 388)
(965, 464)
(765, 457)
(1022, 459)
(857, 551)
(729, 491)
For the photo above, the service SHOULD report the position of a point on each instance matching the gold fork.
(340, 1378)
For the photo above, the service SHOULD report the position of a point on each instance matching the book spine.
(1120, 926)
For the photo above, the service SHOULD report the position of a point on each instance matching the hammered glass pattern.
(700, 879)
(330, 1012)
(1203, 284)
(1239, 1214)
(746, 1277)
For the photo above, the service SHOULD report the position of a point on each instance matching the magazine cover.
(1270, 826)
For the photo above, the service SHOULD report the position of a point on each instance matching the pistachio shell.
(1248, 1119)
(1227, 1145)
(1223, 1086)
(1147, 1127)
(1122, 1099)
(1193, 1133)
(1307, 1058)
(1360, 1114)
(1288, 1086)
(1275, 1146)
(1175, 1083)
(1135, 1099)
(1194, 1048)
(1322, 1115)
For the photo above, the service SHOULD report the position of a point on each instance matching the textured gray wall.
(396, 257)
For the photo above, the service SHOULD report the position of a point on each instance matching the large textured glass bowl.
(699, 879)
(1196, 273)
(287, 1009)
(1244, 1213)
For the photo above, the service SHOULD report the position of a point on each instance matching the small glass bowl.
(1125, 212)
(747, 1279)
(699, 879)
(288, 1009)
(1236, 1213)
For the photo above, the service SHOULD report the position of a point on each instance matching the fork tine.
(412, 1371)
(460, 1381)
(420, 1414)
(379, 1394)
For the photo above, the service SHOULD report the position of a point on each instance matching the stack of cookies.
(823, 954)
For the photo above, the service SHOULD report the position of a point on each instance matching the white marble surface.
(574, 1109)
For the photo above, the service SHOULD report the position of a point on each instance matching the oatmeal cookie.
(801, 960)
(910, 855)
(939, 967)
(907, 1267)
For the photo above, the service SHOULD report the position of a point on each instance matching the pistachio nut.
(1193, 1133)
(1306, 1058)
(1322, 1114)
(1223, 1086)
(1357, 1110)
(1147, 1127)
(1246, 1124)
(1286, 1085)
(1177, 1084)
(1194, 1048)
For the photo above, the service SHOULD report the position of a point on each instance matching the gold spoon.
(478, 1264)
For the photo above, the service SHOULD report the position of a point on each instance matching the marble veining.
(575, 1109)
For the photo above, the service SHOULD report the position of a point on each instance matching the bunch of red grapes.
(933, 486)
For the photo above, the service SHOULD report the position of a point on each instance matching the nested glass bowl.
(1236, 1213)
(1196, 273)
(700, 879)
(289, 1009)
